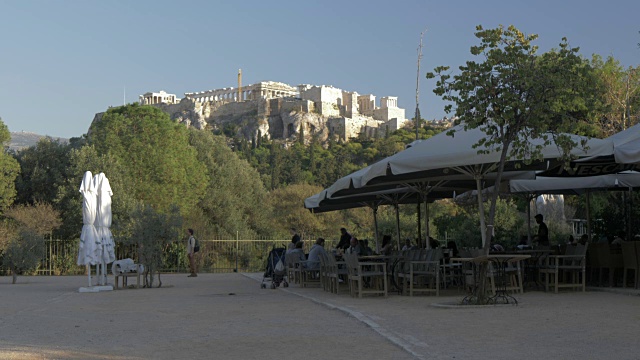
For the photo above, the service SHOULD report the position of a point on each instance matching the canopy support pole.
(375, 222)
(418, 218)
(589, 214)
(481, 210)
(529, 239)
(426, 223)
(398, 222)
(629, 218)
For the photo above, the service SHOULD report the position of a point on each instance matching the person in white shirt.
(354, 247)
(313, 262)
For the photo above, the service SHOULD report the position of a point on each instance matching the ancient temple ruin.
(278, 110)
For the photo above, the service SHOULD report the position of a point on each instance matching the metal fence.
(219, 255)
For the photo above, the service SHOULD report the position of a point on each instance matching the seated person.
(407, 245)
(354, 247)
(297, 254)
(433, 243)
(584, 239)
(496, 248)
(524, 243)
(366, 250)
(314, 254)
(451, 245)
(571, 240)
(387, 245)
(618, 239)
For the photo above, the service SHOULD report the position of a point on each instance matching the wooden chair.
(424, 275)
(593, 262)
(404, 267)
(335, 271)
(323, 271)
(514, 271)
(292, 270)
(373, 272)
(572, 265)
(609, 259)
(630, 260)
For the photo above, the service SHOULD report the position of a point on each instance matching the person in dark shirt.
(294, 239)
(543, 231)
(345, 237)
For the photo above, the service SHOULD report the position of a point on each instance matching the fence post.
(237, 250)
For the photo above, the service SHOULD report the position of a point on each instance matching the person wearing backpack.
(192, 249)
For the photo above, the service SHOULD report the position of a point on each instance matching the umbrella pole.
(589, 215)
(481, 209)
(419, 226)
(426, 223)
(529, 240)
(89, 274)
(375, 222)
(398, 224)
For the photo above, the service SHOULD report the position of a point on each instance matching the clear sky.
(63, 61)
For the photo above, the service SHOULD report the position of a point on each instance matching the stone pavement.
(228, 316)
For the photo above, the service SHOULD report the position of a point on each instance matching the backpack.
(196, 246)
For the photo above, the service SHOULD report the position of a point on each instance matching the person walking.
(191, 244)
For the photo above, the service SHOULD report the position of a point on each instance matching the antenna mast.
(418, 85)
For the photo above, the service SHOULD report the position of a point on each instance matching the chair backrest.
(629, 254)
(604, 255)
(570, 250)
(323, 259)
(352, 263)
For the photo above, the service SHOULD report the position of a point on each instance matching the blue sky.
(63, 61)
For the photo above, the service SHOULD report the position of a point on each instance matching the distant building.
(278, 110)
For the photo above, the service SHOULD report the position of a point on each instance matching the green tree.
(236, 199)
(23, 252)
(154, 151)
(153, 232)
(44, 169)
(621, 89)
(69, 200)
(289, 211)
(9, 170)
(40, 218)
(515, 95)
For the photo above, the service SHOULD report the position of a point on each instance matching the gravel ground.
(228, 316)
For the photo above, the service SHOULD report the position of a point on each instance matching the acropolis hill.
(281, 111)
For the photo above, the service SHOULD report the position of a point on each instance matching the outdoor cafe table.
(501, 261)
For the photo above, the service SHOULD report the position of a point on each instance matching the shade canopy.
(87, 251)
(103, 218)
(575, 186)
(431, 163)
(625, 156)
(321, 202)
(443, 156)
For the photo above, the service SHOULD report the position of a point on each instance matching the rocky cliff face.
(274, 118)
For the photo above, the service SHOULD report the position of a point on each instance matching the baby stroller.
(276, 268)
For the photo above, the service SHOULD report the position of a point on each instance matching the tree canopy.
(515, 95)
(160, 166)
(9, 171)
